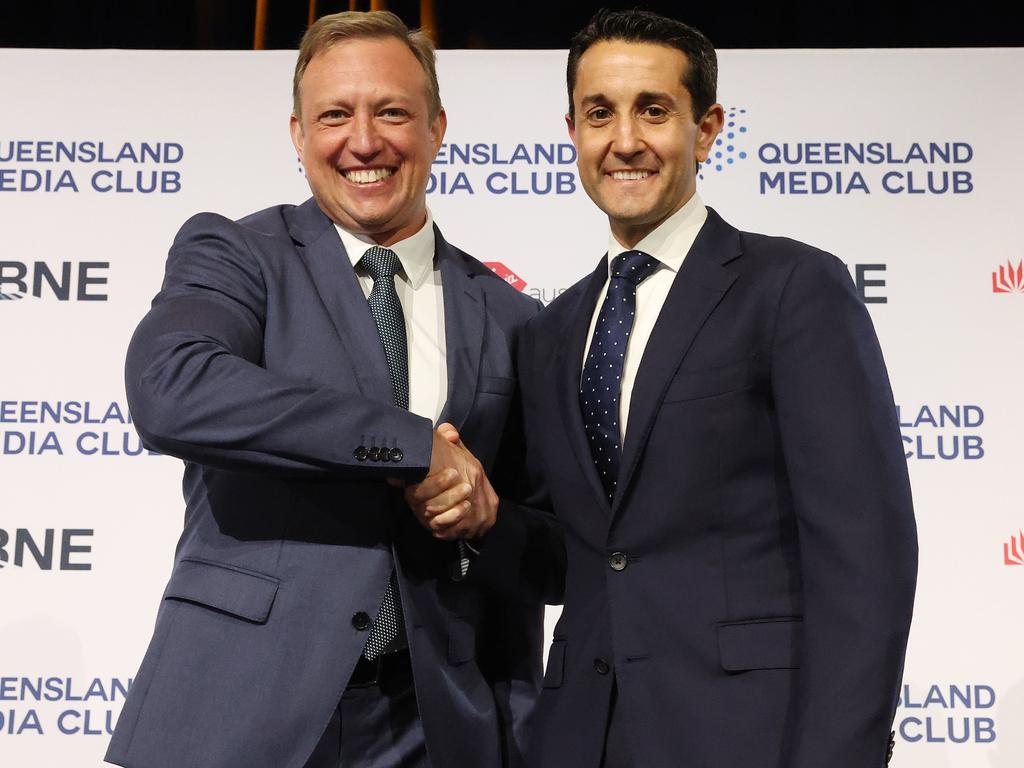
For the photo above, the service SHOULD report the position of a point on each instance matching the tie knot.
(380, 263)
(635, 266)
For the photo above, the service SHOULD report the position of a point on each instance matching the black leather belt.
(383, 670)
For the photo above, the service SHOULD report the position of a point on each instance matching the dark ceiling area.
(230, 24)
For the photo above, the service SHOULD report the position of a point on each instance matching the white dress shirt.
(418, 285)
(669, 244)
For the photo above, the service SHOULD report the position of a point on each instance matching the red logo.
(1009, 280)
(506, 274)
(1013, 550)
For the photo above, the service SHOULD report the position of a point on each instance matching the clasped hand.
(455, 500)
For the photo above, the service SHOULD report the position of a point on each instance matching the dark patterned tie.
(601, 384)
(381, 264)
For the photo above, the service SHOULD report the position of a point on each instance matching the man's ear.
(571, 125)
(438, 128)
(708, 128)
(295, 127)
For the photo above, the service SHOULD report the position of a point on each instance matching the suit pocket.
(497, 385)
(760, 644)
(555, 670)
(708, 382)
(226, 588)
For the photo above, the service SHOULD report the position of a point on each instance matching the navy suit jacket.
(750, 587)
(260, 365)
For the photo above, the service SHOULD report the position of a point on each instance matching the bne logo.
(1013, 550)
(64, 281)
(1009, 280)
(506, 274)
(48, 550)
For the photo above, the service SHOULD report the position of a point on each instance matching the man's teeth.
(368, 177)
(630, 175)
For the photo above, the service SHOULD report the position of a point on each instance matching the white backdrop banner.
(905, 164)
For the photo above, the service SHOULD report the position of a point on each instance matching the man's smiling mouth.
(367, 176)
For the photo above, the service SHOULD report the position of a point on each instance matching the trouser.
(377, 723)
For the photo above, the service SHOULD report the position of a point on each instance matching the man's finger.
(432, 486)
(448, 499)
(449, 433)
(450, 517)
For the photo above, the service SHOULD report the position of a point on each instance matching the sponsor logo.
(544, 295)
(55, 281)
(1013, 550)
(942, 432)
(506, 274)
(1008, 279)
(730, 146)
(46, 549)
(924, 718)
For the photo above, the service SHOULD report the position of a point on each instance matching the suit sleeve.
(197, 388)
(858, 543)
(522, 563)
(523, 556)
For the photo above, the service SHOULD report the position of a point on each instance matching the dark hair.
(636, 26)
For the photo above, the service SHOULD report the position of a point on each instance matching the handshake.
(455, 500)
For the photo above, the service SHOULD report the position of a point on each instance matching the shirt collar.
(415, 253)
(672, 239)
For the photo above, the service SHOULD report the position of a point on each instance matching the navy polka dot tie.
(601, 384)
(381, 264)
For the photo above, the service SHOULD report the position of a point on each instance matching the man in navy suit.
(712, 423)
(298, 360)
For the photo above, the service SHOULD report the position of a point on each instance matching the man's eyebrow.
(595, 98)
(648, 97)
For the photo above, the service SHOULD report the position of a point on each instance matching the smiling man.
(711, 419)
(298, 360)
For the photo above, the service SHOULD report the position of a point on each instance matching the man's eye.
(333, 116)
(657, 113)
(394, 113)
(599, 115)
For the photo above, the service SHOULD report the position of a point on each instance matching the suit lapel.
(464, 321)
(569, 367)
(698, 287)
(339, 290)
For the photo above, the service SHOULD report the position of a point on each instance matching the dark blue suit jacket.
(763, 518)
(259, 364)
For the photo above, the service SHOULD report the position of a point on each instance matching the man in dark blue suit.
(298, 360)
(712, 423)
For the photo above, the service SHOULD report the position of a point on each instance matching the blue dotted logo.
(729, 146)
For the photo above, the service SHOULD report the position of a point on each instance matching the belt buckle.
(367, 672)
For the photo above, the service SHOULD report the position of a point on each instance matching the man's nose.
(627, 139)
(365, 138)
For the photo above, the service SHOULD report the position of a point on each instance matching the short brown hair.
(330, 30)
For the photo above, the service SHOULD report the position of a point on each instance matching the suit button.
(617, 560)
(360, 453)
(374, 453)
(361, 620)
(601, 666)
(397, 455)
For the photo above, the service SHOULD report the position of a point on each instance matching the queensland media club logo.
(46, 549)
(1013, 550)
(730, 146)
(1009, 279)
(54, 280)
